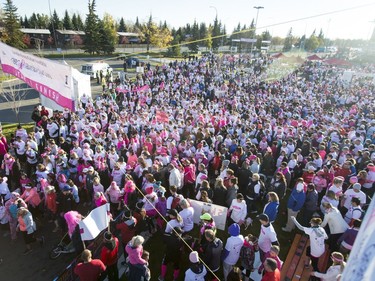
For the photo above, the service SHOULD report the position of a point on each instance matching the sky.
(356, 22)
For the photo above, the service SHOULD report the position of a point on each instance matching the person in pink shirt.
(32, 199)
(99, 199)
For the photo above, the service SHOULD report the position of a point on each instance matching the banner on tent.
(94, 223)
(52, 79)
(218, 213)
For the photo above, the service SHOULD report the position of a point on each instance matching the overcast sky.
(357, 22)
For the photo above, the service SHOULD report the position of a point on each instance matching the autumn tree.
(312, 42)
(108, 34)
(12, 34)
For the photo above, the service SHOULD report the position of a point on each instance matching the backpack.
(176, 203)
(362, 213)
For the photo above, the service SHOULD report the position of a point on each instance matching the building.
(36, 37)
(69, 38)
(128, 38)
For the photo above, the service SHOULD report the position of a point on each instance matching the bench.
(294, 266)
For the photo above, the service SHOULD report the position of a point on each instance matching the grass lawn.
(11, 128)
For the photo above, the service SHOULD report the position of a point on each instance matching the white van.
(93, 68)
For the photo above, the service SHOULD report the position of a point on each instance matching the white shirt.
(191, 276)
(175, 178)
(317, 237)
(239, 210)
(267, 237)
(20, 145)
(187, 218)
(233, 246)
(350, 193)
(172, 224)
(53, 130)
(331, 274)
(335, 221)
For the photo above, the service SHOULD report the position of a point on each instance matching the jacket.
(212, 254)
(335, 221)
(135, 254)
(109, 253)
(296, 200)
(31, 197)
(27, 223)
(271, 209)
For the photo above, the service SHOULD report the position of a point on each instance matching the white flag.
(95, 222)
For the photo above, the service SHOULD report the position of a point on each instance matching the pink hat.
(353, 179)
(149, 189)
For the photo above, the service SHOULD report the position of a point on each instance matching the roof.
(127, 34)
(35, 31)
(70, 32)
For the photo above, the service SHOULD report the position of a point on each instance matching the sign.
(218, 213)
(361, 262)
(51, 79)
(95, 222)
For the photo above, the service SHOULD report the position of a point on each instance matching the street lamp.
(213, 7)
(255, 27)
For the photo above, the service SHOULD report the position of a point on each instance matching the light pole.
(222, 38)
(255, 27)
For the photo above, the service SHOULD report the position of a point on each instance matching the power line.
(253, 29)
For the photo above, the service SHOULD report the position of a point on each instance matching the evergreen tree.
(67, 22)
(12, 35)
(288, 43)
(92, 34)
(121, 26)
(33, 21)
(80, 25)
(74, 21)
(55, 22)
(193, 46)
(26, 22)
(215, 34)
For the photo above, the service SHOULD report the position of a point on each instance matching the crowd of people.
(206, 130)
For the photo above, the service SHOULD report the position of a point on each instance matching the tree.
(148, 30)
(193, 46)
(312, 43)
(175, 49)
(77, 22)
(289, 40)
(92, 35)
(108, 38)
(121, 26)
(42, 20)
(14, 93)
(216, 34)
(55, 22)
(33, 21)
(12, 34)
(67, 22)
(26, 23)
(208, 37)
